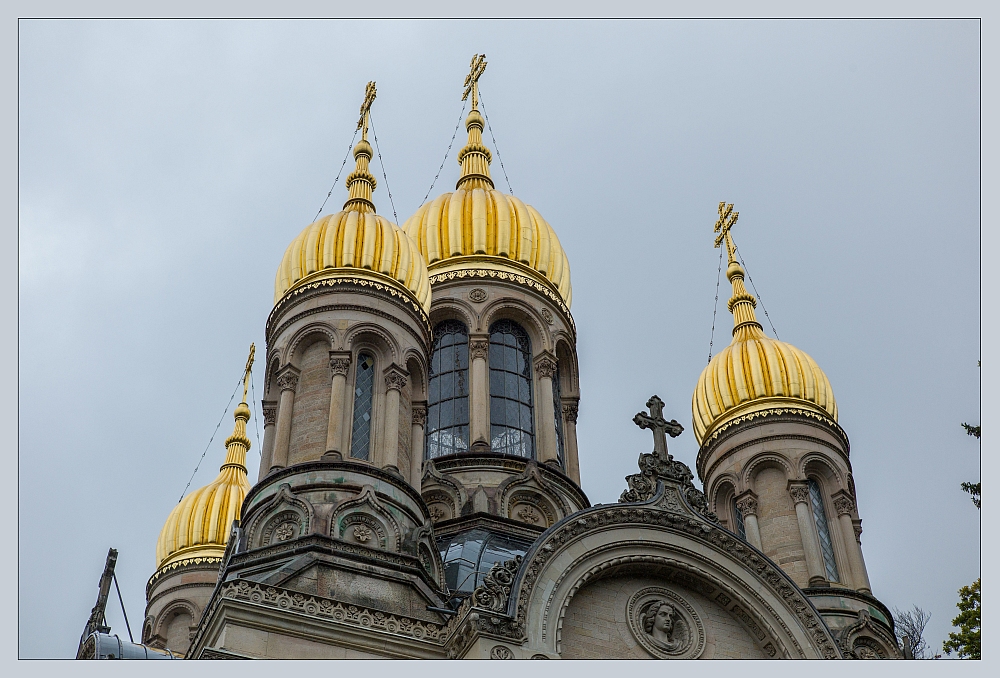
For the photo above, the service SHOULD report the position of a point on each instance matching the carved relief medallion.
(547, 315)
(478, 295)
(501, 652)
(665, 624)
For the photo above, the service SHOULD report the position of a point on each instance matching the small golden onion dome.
(477, 226)
(356, 242)
(755, 372)
(198, 527)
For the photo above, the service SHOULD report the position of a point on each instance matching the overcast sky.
(165, 166)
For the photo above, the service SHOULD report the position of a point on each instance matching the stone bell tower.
(500, 447)
(776, 464)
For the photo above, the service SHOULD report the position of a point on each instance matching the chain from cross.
(370, 93)
(476, 69)
(246, 372)
(727, 219)
(660, 426)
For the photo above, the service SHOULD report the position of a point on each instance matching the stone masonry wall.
(311, 408)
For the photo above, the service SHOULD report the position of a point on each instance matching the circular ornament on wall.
(501, 652)
(666, 625)
(478, 294)
(547, 315)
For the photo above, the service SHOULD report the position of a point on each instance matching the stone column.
(340, 363)
(288, 379)
(861, 556)
(395, 382)
(418, 419)
(746, 504)
(807, 532)
(479, 393)
(845, 507)
(270, 410)
(545, 436)
(570, 409)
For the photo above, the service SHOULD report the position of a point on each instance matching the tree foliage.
(975, 489)
(967, 641)
(911, 624)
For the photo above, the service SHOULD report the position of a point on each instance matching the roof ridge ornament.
(742, 303)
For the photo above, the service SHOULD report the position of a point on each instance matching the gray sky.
(165, 166)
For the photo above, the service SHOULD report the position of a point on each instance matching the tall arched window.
(364, 386)
(448, 395)
(738, 526)
(511, 427)
(825, 543)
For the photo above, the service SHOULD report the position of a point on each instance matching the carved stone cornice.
(799, 491)
(340, 362)
(395, 378)
(206, 563)
(746, 503)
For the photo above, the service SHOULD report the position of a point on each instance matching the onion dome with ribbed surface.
(356, 242)
(755, 372)
(478, 227)
(199, 525)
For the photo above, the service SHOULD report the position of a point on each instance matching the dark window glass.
(825, 543)
(448, 398)
(469, 556)
(361, 430)
(511, 424)
(557, 409)
(738, 526)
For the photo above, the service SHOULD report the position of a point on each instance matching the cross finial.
(727, 219)
(365, 108)
(246, 372)
(476, 69)
(660, 426)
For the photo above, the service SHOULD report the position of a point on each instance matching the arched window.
(511, 427)
(448, 396)
(738, 526)
(364, 386)
(557, 408)
(825, 543)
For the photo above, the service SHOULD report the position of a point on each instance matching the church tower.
(776, 464)
(503, 390)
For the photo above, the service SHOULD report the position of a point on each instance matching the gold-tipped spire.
(361, 183)
(474, 157)
(238, 444)
(742, 303)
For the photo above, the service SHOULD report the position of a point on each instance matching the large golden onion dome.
(356, 242)
(478, 227)
(755, 373)
(198, 526)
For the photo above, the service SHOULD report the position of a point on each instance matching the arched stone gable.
(366, 521)
(284, 509)
(445, 496)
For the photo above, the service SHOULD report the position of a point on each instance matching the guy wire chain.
(337, 180)
(114, 576)
(754, 287)
(718, 278)
(371, 119)
(494, 142)
(239, 381)
(446, 153)
(256, 426)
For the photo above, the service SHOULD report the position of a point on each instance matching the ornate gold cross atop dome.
(727, 219)
(660, 426)
(366, 106)
(476, 69)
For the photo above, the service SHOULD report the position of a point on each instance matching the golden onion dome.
(755, 372)
(479, 227)
(356, 242)
(198, 526)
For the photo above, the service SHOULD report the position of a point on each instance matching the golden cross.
(477, 67)
(727, 219)
(246, 372)
(365, 108)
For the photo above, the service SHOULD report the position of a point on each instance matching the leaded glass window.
(448, 395)
(557, 408)
(825, 543)
(738, 526)
(511, 416)
(364, 386)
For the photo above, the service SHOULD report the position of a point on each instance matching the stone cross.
(660, 426)
(727, 219)
(476, 69)
(366, 106)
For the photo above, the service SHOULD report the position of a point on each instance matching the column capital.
(288, 377)
(270, 411)
(395, 378)
(479, 346)
(747, 503)
(570, 410)
(419, 410)
(799, 491)
(857, 530)
(340, 362)
(545, 365)
(843, 503)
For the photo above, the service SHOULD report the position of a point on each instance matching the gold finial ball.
(734, 270)
(475, 119)
(242, 412)
(363, 148)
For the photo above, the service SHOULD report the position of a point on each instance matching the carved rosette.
(799, 493)
(478, 295)
(288, 381)
(395, 379)
(479, 349)
(747, 505)
(419, 415)
(546, 368)
(570, 410)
